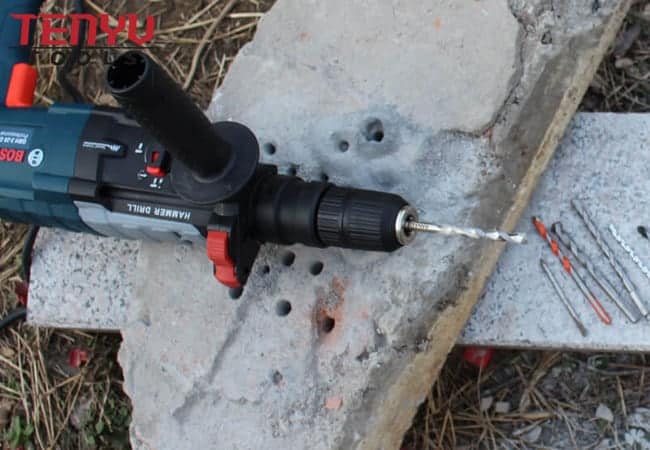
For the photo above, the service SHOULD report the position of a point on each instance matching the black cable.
(12, 316)
(72, 59)
(28, 247)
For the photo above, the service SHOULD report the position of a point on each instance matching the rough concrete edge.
(410, 388)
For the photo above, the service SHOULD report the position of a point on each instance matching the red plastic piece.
(22, 290)
(76, 357)
(155, 171)
(20, 92)
(478, 356)
(224, 267)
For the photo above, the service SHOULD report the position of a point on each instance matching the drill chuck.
(289, 210)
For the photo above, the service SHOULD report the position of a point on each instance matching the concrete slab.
(605, 160)
(80, 280)
(466, 147)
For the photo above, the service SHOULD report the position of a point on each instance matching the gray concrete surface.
(604, 160)
(80, 280)
(206, 371)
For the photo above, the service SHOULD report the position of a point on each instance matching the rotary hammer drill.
(158, 169)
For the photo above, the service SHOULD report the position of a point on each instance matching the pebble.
(603, 412)
(486, 403)
(502, 407)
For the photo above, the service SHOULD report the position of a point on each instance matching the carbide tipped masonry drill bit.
(474, 233)
(563, 297)
(568, 268)
(595, 233)
(598, 277)
(629, 251)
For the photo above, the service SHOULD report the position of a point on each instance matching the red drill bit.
(566, 263)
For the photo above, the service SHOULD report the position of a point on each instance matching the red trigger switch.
(224, 267)
(156, 165)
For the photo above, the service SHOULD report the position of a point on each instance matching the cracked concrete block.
(457, 106)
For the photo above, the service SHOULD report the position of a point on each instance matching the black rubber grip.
(285, 210)
(158, 104)
(359, 219)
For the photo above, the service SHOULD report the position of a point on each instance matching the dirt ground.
(62, 389)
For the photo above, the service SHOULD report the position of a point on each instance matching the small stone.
(7, 352)
(502, 407)
(623, 63)
(604, 413)
(486, 403)
(333, 403)
(533, 435)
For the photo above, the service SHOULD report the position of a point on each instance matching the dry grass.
(622, 83)
(555, 394)
(45, 402)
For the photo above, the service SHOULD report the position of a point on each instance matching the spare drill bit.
(628, 249)
(474, 233)
(566, 263)
(565, 300)
(598, 277)
(627, 283)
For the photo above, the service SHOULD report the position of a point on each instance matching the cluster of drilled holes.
(283, 308)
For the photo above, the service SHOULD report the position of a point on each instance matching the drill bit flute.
(627, 283)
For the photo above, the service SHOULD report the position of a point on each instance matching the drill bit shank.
(563, 297)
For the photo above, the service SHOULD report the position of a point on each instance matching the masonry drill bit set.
(565, 248)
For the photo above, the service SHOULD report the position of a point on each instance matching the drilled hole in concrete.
(283, 308)
(327, 325)
(374, 131)
(344, 146)
(265, 269)
(277, 377)
(316, 268)
(235, 293)
(288, 258)
(269, 148)
(324, 177)
(292, 171)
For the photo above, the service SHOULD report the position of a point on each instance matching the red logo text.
(12, 155)
(68, 34)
